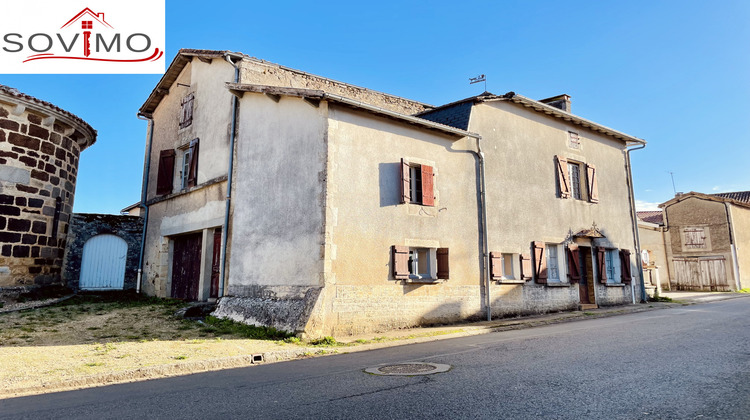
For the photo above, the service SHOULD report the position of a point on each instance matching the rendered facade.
(320, 207)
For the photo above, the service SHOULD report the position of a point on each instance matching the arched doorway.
(103, 263)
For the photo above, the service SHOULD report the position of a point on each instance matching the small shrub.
(324, 341)
(221, 326)
(292, 340)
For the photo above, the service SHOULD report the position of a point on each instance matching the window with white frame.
(553, 263)
(187, 154)
(422, 263)
(508, 266)
(502, 266)
(608, 265)
(574, 175)
(417, 183)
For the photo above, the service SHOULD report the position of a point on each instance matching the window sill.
(558, 284)
(423, 281)
(615, 284)
(510, 281)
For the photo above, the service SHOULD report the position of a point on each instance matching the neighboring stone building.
(40, 145)
(102, 252)
(653, 245)
(707, 239)
(316, 206)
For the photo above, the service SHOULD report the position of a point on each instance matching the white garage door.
(103, 263)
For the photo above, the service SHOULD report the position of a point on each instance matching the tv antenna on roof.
(673, 187)
(480, 78)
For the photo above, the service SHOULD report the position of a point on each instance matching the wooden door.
(216, 264)
(103, 263)
(701, 273)
(586, 284)
(186, 266)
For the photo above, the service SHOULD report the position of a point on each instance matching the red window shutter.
(442, 263)
(625, 266)
(405, 183)
(574, 264)
(601, 260)
(593, 184)
(400, 261)
(540, 262)
(164, 178)
(562, 177)
(526, 266)
(428, 183)
(193, 170)
(496, 266)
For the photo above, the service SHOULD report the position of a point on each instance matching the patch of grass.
(94, 364)
(220, 326)
(324, 341)
(589, 313)
(745, 290)
(292, 340)
(180, 357)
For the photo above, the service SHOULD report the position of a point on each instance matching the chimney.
(559, 101)
(100, 16)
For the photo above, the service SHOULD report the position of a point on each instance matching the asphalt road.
(681, 363)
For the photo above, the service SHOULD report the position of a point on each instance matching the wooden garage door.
(186, 266)
(701, 273)
(103, 263)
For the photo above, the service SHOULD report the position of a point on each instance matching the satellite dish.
(645, 257)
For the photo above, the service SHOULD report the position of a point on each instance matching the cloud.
(641, 205)
(716, 188)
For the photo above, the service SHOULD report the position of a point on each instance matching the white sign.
(87, 37)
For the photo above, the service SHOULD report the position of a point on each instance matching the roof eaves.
(709, 197)
(566, 116)
(240, 88)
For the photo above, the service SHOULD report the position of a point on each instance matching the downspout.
(634, 220)
(732, 235)
(483, 222)
(144, 194)
(225, 229)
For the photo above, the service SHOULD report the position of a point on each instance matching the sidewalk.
(254, 351)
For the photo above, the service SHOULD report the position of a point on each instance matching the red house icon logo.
(87, 25)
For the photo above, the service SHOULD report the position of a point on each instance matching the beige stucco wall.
(741, 233)
(523, 206)
(653, 239)
(202, 207)
(366, 219)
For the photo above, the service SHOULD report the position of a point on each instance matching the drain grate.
(409, 369)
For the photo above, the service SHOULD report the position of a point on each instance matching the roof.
(446, 113)
(656, 216)
(720, 198)
(185, 55)
(319, 95)
(742, 196)
(45, 107)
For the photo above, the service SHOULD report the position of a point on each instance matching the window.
(549, 267)
(553, 264)
(574, 174)
(501, 266)
(417, 184)
(573, 141)
(87, 24)
(577, 180)
(695, 238)
(186, 115)
(189, 167)
(608, 265)
(414, 263)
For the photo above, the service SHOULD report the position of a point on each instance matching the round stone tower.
(39, 149)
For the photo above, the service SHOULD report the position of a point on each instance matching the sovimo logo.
(101, 37)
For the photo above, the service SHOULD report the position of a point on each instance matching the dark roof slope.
(742, 196)
(651, 216)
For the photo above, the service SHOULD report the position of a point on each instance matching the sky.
(674, 73)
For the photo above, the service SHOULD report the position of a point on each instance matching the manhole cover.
(409, 369)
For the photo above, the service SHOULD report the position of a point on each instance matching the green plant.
(222, 326)
(745, 290)
(324, 341)
(292, 340)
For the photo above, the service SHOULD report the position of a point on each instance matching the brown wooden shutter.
(428, 183)
(442, 263)
(601, 264)
(193, 170)
(574, 264)
(400, 261)
(186, 118)
(496, 266)
(593, 184)
(165, 175)
(405, 183)
(526, 267)
(625, 266)
(540, 262)
(562, 177)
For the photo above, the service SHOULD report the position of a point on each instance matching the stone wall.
(85, 226)
(39, 150)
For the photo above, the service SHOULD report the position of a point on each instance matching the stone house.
(40, 145)
(653, 250)
(707, 240)
(320, 207)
